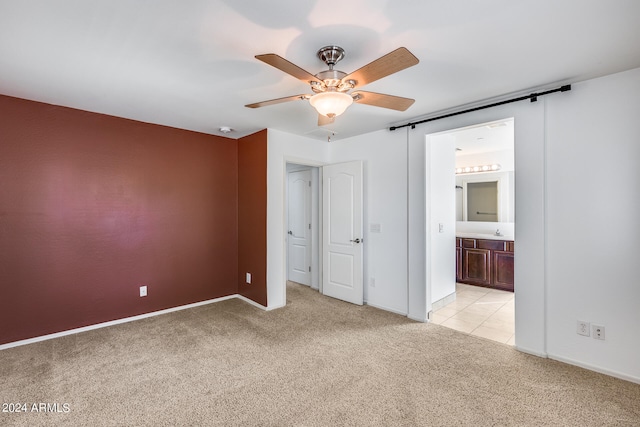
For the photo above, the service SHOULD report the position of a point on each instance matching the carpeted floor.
(316, 362)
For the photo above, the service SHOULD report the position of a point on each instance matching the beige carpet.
(316, 362)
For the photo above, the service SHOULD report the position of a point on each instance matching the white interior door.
(342, 232)
(299, 230)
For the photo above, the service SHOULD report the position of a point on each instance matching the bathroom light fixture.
(475, 169)
(331, 104)
(225, 129)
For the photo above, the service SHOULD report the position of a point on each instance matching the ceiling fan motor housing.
(332, 80)
(331, 55)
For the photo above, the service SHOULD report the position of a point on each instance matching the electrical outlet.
(248, 278)
(143, 291)
(583, 328)
(598, 332)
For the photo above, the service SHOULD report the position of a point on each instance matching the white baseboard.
(588, 366)
(594, 368)
(443, 301)
(274, 307)
(125, 320)
(402, 313)
(252, 302)
(530, 351)
(418, 319)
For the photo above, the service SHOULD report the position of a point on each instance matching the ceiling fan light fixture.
(331, 104)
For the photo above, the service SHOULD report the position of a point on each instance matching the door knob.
(356, 240)
(290, 232)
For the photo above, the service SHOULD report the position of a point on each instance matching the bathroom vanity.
(485, 260)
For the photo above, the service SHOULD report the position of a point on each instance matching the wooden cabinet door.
(476, 266)
(503, 270)
(458, 264)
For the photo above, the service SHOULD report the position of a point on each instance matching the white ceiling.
(190, 64)
(485, 138)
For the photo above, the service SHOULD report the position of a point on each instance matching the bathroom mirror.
(482, 201)
(485, 197)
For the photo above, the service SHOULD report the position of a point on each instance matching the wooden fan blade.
(288, 67)
(278, 101)
(391, 63)
(324, 120)
(382, 100)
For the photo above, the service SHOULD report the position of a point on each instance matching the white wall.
(387, 161)
(440, 212)
(384, 155)
(577, 192)
(529, 228)
(392, 174)
(566, 267)
(593, 226)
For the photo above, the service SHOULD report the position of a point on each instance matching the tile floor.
(483, 312)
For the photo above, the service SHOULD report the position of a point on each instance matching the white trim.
(381, 307)
(271, 308)
(594, 368)
(419, 319)
(252, 302)
(444, 301)
(125, 320)
(299, 161)
(315, 217)
(545, 228)
(531, 352)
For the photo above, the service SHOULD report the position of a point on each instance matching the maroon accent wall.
(93, 206)
(252, 216)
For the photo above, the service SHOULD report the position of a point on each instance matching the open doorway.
(302, 220)
(475, 197)
(323, 225)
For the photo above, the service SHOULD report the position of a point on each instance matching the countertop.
(484, 236)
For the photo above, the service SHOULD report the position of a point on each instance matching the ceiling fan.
(332, 88)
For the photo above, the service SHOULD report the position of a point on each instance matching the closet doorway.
(302, 224)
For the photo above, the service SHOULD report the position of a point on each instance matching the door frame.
(317, 247)
(428, 201)
(319, 224)
(316, 220)
(307, 205)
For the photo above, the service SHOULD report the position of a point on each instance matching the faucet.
(498, 233)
